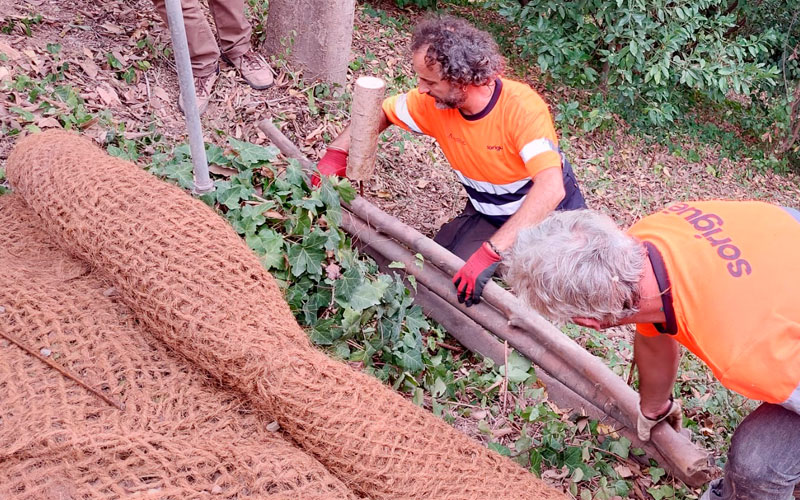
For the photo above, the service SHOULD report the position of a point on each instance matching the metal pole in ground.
(177, 30)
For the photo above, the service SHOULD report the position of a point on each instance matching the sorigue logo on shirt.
(709, 227)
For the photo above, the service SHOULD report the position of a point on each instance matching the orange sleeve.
(534, 135)
(411, 111)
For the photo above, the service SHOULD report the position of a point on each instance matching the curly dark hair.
(468, 55)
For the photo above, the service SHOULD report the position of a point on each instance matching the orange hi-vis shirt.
(495, 153)
(732, 270)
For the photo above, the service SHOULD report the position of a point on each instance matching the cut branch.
(364, 127)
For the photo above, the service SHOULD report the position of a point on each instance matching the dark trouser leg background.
(764, 459)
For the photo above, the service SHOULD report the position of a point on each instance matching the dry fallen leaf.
(224, 171)
(160, 93)
(10, 52)
(89, 67)
(108, 95)
(112, 28)
(624, 471)
(332, 271)
(48, 122)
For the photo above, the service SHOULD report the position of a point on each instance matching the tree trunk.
(316, 33)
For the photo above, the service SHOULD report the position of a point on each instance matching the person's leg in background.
(465, 233)
(764, 458)
(234, 32)
(203, 50)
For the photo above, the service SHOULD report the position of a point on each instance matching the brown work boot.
(203, 88)
(253, 68)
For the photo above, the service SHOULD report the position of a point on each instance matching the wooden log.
(477, 339)
(365, 119)
(689, 462)
(685, 460)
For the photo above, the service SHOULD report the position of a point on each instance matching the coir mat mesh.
(182, 272)
(180, 434)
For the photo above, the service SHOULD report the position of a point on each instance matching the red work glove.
(472, 277)
(333, 162)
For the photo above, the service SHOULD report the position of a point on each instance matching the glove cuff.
(662, 415)
(491, 251)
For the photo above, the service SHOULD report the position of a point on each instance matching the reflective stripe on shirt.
(498, 200)
(793, 403)
(537, 147)
(401, 110)
(793, 212)
(488, 187)
(497, 210)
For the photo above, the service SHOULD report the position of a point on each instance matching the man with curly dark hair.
(496, 133)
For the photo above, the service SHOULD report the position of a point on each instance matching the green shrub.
(645, 55)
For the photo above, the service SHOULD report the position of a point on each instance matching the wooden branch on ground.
(505, 316)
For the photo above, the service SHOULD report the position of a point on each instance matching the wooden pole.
(365, 119)
(477, 339)
(526, 330)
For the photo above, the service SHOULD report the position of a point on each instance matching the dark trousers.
(469, 229)
(764, 458)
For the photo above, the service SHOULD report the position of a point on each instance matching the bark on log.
(691, 464)
(478, 340)
(528, 332)
(365, 118)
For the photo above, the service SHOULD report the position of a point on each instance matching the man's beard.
(453, 100)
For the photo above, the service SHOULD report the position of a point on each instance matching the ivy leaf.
(267, 244)
(215, 155)
(410, 360)
(517, 367)
(306, 258)
(347, 285)
(367, 294)
(499, 448)
(231, 193)
(656, 473)
(247, 219)
(346, 191)
(326, 332)
(621, 447)
(415, 320)
(294, 173)
(249, 154)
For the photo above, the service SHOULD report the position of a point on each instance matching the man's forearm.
(545, 195)
(657, 360)
(342, 142)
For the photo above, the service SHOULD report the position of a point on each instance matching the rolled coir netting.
(180, 434)
(191, 280)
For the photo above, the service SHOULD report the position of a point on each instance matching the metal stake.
(177, 29)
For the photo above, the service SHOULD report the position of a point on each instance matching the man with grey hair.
(721, 278)
(497, 135)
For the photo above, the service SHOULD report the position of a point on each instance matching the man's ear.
(589, 323)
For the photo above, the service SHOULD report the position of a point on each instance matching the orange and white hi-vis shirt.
(495, 153)
(729, 272)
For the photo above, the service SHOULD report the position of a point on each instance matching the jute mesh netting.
(146, 294)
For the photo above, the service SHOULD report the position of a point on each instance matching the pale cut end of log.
(365, 120)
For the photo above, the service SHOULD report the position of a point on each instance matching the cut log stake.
(365, 119)
(524, 329)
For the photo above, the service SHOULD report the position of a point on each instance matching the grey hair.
(468, 55)
(578, 264)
